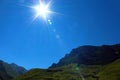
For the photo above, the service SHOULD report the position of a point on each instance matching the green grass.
(111, 71)
(73, 71)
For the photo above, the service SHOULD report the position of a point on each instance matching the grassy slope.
(50, 74)
(111, 71)
(72, 72)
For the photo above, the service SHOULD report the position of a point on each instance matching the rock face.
(9, 71)
(91, 55)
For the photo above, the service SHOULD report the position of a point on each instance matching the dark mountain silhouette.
(91, 55)
(10, 71)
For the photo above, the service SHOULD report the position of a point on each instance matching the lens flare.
(42, 10)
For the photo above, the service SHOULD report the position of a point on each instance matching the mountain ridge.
(10, 71)
(91, 55)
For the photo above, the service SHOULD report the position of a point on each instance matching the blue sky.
(35, 44)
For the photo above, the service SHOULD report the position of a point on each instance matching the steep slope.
(91, 55)
(9, 71)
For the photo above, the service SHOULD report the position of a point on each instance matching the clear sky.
(77, 22)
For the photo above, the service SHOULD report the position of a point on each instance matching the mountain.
(82, 63)
(109, 71)
(18, 69)
(10, 71)
(91, 55)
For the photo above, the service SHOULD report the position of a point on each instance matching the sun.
(42, 10)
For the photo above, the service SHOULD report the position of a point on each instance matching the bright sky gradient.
(36, 44)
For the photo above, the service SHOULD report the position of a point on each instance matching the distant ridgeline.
(91, 55)
(10, 71)
(82, 63)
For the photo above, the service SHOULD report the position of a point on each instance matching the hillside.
(10, 71)
(82, 63)
(49, 74)
(91, 55)
(110, 71)
(75, 72)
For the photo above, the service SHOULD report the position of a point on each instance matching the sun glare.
(42, 10)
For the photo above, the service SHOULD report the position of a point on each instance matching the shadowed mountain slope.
(10, 71)
(91, 55)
